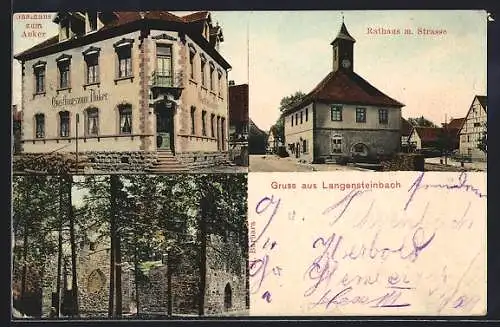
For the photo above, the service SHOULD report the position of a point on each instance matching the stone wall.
(226, 265)
(404, 161)
(379, 142)
(226, 270)
(127, 161)
(202, 159)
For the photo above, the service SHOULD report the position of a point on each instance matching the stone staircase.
(167, 163)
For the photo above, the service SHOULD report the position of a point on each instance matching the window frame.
(193, 120)
(381, 115)
(124, 110)
(67, 118)
(336, 112)
(124, 46)
(64, 69)
(203, 123)
(37, 124)
(40, 74)
(360, 113)
(91, 112)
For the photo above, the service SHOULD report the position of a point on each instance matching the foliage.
(291, 99)
(421, 122)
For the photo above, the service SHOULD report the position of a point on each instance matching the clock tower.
(343, 50)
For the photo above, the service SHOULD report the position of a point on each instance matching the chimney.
(231, 83)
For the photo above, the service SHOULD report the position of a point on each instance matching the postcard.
(399, 243)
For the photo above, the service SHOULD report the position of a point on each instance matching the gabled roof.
(428, 134)
(483, 101)
(346, 87)
(132, 20)
(238, 104)
(406, 127)
(455, 123)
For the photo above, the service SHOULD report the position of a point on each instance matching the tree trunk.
(59, 249)
(112, 224)
(169, 286)
(202, 234)
(118, 275)
(74, 282)
(136, 280)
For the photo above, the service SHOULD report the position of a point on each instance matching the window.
(360, 115)
(203, 64)
(63, 67)
(292, 120)
(304, 146)
(193, 111)
(219, 82)
(307, 114)
(39, 71)
(203, 123)
(383, 116)
(336, 144)
(124, 62)
(301, 121)
(64, 123)
(477, 124)
(468, 138)
(191, 64)
(92, 62)
(212, 118)
(40, 126)
(125, 112)
(296, 118)
(164, 65)
(336, 113)
(212, 69)
(222, 132)
(92, 21)
(92, 122)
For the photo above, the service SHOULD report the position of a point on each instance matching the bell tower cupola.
(343, 50)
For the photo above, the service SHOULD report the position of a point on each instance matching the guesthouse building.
(128, 91)
(473, 129)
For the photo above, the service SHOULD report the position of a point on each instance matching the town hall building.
(140, 91)
(343, 115)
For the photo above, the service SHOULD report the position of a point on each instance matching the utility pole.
(446, 141)
(76, 140)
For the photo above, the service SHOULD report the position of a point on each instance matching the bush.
(282, 152)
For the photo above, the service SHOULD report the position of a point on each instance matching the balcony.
(165, 87)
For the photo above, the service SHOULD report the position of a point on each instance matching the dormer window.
(63, 65)
(65, 31)
(91, 21)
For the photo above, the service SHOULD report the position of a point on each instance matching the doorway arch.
(228, 297)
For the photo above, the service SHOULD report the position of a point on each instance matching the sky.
(289, 51)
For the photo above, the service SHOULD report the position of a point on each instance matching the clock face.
(346, 63)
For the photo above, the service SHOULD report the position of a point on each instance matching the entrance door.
(164, 129)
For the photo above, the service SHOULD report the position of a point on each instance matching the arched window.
(64, 124)
(125, 112)
(360, 149)
(40, 126)
(92, 122)
(228, 301)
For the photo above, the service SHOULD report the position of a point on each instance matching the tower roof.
(343, 35)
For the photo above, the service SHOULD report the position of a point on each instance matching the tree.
(483, 144)
(421, 122)
(292, 99)
(278, 128)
